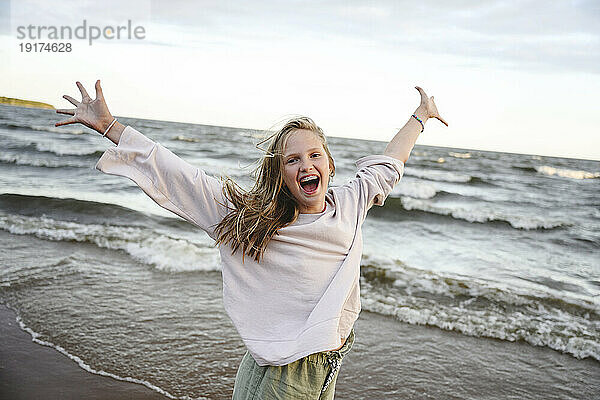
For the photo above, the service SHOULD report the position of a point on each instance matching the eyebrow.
(309, 151)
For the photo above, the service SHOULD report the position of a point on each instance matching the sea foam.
(562, 321)
(148, 246)
(459, 155)
(567, 173)
(36, 161)
(483, 215)
(414, 189)
(435, 175)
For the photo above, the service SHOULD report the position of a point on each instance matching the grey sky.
(508, 75)
(533, 35)
(552, 35)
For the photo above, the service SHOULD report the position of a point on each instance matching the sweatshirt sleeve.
(167, 179)
(375, 178)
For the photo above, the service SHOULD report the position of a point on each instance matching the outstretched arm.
(402, 144)
(92, 113)
(171, 182)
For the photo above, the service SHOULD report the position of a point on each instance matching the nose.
(306, 164)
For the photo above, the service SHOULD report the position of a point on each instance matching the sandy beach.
(428, 364)
(31, 371)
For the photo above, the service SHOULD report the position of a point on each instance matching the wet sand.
(31, 371)
(389, 360)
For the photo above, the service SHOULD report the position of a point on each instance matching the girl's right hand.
(92, 113)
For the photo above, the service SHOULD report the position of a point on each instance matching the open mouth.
(310, 184)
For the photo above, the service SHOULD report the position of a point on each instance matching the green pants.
(311, 377)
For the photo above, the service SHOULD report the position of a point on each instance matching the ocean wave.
(134, 209)
(188, 139)
(56, 129)
(148, 246)
(567, 173)
(435, 175)
(56, 149)
(417, 190)
(36, 337)
(24, 159)
(254, 134)
(482, 215)
(459, 155)
(482, 309)
(524, 168)
(71, 130)
(61, 150)
(29, 275)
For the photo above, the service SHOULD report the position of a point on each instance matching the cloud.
(560, 35)
(72, 12)
(4, 17)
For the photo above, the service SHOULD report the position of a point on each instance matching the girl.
(290, 247)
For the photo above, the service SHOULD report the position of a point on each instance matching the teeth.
(308, 178)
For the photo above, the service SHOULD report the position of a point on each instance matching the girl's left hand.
(429, 106)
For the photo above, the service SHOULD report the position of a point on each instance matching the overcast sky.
(517, 76)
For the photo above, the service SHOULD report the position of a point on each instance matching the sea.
(476, 247)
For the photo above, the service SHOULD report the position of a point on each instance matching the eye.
(315, 155)
(291, 160)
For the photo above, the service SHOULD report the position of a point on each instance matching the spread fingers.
(71, 100)
(84, 94)
(71, 120)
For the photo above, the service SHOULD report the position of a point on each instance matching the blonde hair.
(260, 212)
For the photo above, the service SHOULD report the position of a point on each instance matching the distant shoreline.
(40, 105)
(25, 103)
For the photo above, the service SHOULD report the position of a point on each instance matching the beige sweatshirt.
(303, 297)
